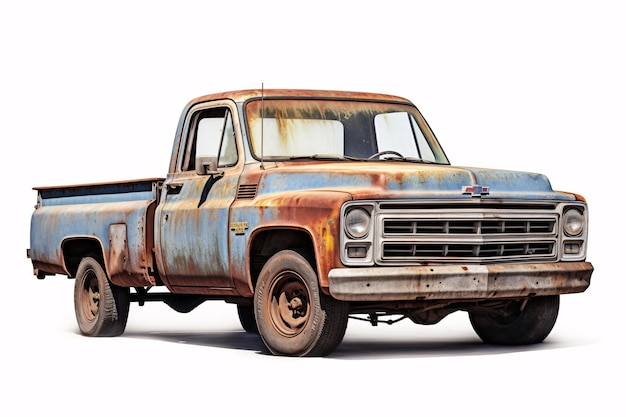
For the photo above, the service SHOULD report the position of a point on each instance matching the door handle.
(174, 187)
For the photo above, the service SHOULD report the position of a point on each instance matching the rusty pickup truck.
(306, 208)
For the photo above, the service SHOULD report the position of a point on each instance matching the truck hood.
(383, 179)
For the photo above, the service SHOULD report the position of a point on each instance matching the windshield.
(282, 129)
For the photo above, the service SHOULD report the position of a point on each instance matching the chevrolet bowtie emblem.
(475, 190)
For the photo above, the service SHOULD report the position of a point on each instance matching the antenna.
(262, 120)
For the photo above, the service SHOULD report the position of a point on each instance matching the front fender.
(315, 213)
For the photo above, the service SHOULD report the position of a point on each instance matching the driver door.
(195, 205)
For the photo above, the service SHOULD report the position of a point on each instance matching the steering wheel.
(381, 153)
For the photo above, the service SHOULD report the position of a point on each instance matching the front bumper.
(459, 282)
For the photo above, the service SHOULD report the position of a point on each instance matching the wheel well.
(270, 242)
(75, 250)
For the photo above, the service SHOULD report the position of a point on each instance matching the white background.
(92, 92)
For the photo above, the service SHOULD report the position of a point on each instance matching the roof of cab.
(242, 95)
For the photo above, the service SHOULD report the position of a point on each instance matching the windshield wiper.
(419, 160)
(410, 159)
(397, 156)
(325, 157)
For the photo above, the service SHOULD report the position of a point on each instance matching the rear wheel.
(293, 316)
(101, 308)
(520, 323)
(246, 318)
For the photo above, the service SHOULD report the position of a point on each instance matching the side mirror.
(206, 165)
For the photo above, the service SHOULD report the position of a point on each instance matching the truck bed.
(110, 221)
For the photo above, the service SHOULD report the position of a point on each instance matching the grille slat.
(484, 227)
(419, 250)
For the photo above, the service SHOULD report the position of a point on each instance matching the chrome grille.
(466, 234)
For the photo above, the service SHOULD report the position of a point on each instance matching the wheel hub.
(290, 306)
(91, 303)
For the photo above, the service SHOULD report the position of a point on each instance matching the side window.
(212, 134)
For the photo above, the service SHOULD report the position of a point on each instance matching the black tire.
(528, 326)
(101, 308)
(293, 316)
(246, 318)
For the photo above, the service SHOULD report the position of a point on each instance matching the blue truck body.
(296, 210)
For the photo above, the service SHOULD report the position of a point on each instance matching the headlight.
(358, 223)
(573, 222)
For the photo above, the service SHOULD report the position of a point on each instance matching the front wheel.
(293, 316)
(520, 323)
(101, 308)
